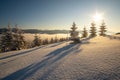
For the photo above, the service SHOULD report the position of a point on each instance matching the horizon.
(60, 14)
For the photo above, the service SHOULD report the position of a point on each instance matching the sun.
(98, 17)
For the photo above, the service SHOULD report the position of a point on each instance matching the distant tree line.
(118, 33)
(35, 31)
(38, 41)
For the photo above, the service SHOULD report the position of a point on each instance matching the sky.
(59, 14)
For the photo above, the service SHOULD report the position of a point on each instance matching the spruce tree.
(61, 39)
(0, 46)
(56, 39)
(7, 40)
(19, 41)
(84, 33)
(102, 29)
(16, 44)
(37, 41)
(12, 40)
(52, 40)
(45, 41)
(22, 43)
(74, 34)
(93, 30)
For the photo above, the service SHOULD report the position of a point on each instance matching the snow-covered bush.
(37, 41)
(84, 33)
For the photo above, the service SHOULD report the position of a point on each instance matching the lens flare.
(98, 17)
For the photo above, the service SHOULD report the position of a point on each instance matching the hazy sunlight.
(98, 17)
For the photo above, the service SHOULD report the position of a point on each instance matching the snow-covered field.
(30, 37)
(93, 59)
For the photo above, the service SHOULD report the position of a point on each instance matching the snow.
(93, 59)
(30, 37)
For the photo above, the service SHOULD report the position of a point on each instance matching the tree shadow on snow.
(48, 64)
(56, 44)
(21, 53)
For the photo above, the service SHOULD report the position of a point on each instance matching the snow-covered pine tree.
(37, 41)
(84, 32)
(61, 39)
(52, 40)
(102, 29)
(23, 42)
(7, 40)
(56, 39)
(45, 41)
(93, 30)
(19, 41)
(0, 46)
(74, 34)
(16, 44)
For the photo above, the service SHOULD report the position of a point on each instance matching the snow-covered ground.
(93, 59)
(30, 37)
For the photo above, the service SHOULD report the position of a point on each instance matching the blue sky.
(58, 14)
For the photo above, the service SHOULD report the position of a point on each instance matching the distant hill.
(38, 31)
(118, 33)
(45, 31)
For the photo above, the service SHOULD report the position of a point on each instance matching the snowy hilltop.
(97, 58)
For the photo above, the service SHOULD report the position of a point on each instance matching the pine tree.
(19, 41)
(74, 34)
(0, 46)
(12, 40)
(56, 39)
(85, 33)
(37, 41)
(102, 29)
(93, 30)
(16, 45)
(22, 41)
(52, 40)
(61, 39)
(7, 40)
(45, 41)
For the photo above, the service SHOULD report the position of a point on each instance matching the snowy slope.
(93, 59)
